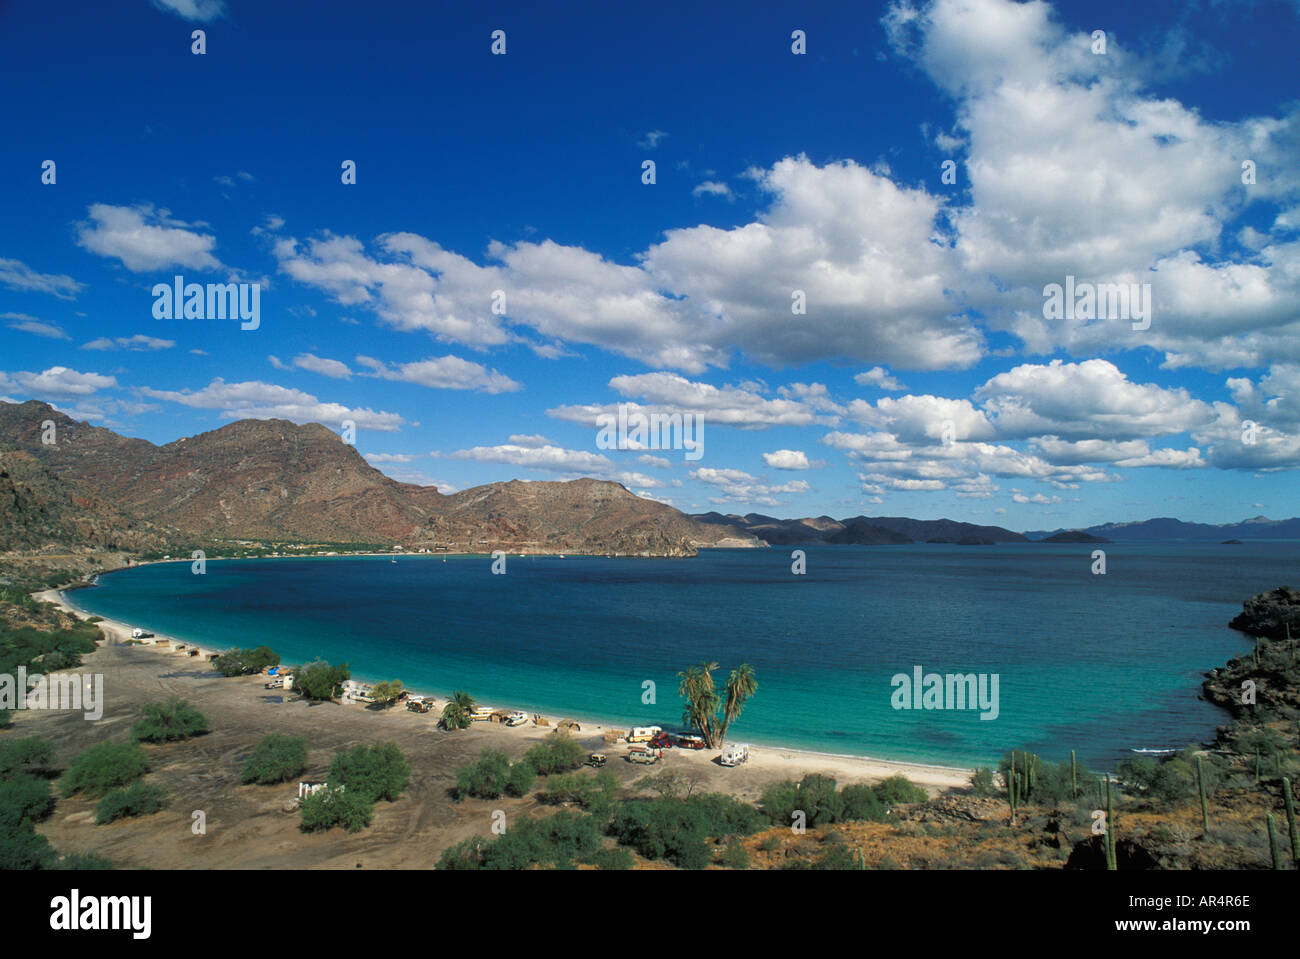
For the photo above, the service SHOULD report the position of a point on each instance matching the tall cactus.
(1290, 821)
(1205, 809)
(1074, 776)
(1111, 863)
(1011, 787)
(1272, 843)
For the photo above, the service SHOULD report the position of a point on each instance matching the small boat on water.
(1154, 752)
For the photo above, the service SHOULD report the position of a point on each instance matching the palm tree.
(701, 700)
(455, 715)
(741, 685)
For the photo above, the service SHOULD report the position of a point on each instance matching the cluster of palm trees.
(706, 708)
(709, 710)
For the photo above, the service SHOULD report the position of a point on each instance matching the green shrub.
(814, 795)
(336, 806)
(385, 693)
(1172, 779)
(6, 718)
(981, 782)
(735, 856)
(522, 777)
(372, 772)
(487, 778)
(246, 662)
(25, 849)
(320, 680)
(557, 840)
(555, 754)
(899, 789)
(836, 856)
(138, 799)
(84, 861)
(616, 858)
(18, 755)
(168, 722)
(104, 767)
(24, 800)
(45, 651)
(676, 829)
(276, 759)
(587, 790)
(861, 803)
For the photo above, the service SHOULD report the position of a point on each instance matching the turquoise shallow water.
(1100, 664)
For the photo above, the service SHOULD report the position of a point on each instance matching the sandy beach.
(255, 827)
(787, 763)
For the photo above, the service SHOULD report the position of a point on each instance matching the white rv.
(733, 754)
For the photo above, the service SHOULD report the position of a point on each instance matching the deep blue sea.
(1099, 664)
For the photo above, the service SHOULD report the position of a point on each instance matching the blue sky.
(774, 172)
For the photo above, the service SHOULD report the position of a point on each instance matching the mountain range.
(275, 480)
(1165, 528)
(68, 483)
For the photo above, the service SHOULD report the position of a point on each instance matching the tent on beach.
(568, 726)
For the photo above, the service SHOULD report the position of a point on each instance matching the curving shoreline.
(783, 761)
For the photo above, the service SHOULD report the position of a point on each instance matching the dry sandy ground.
(255, 827)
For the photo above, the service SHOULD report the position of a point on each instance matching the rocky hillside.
(37, 509)
(276, 480)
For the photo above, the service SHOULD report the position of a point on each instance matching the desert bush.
(24, 800)
(555, 754)
(25, 849)
(981, 782)
(485, 779)
(676, 829)
(246, 662)
(385, 693)
(335, 806)
(372, 772)
(899, 789)
(588, 791)
(104, 767)
(169, 721)
(30, 752)
(735, 856)
(276, 759)
(138, 799)
(319, 680)
(861, 802)
(557, 840)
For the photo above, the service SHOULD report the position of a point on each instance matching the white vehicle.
(517, 719)
(139, 633)
(733, 754)
(643, 734)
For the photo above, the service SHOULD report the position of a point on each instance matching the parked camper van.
(639, 754)
(733, 754)
(139, 633)
(643, 734)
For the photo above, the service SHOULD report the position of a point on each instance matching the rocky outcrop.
(1270, 614)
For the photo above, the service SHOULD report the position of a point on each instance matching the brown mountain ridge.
(276, 480)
